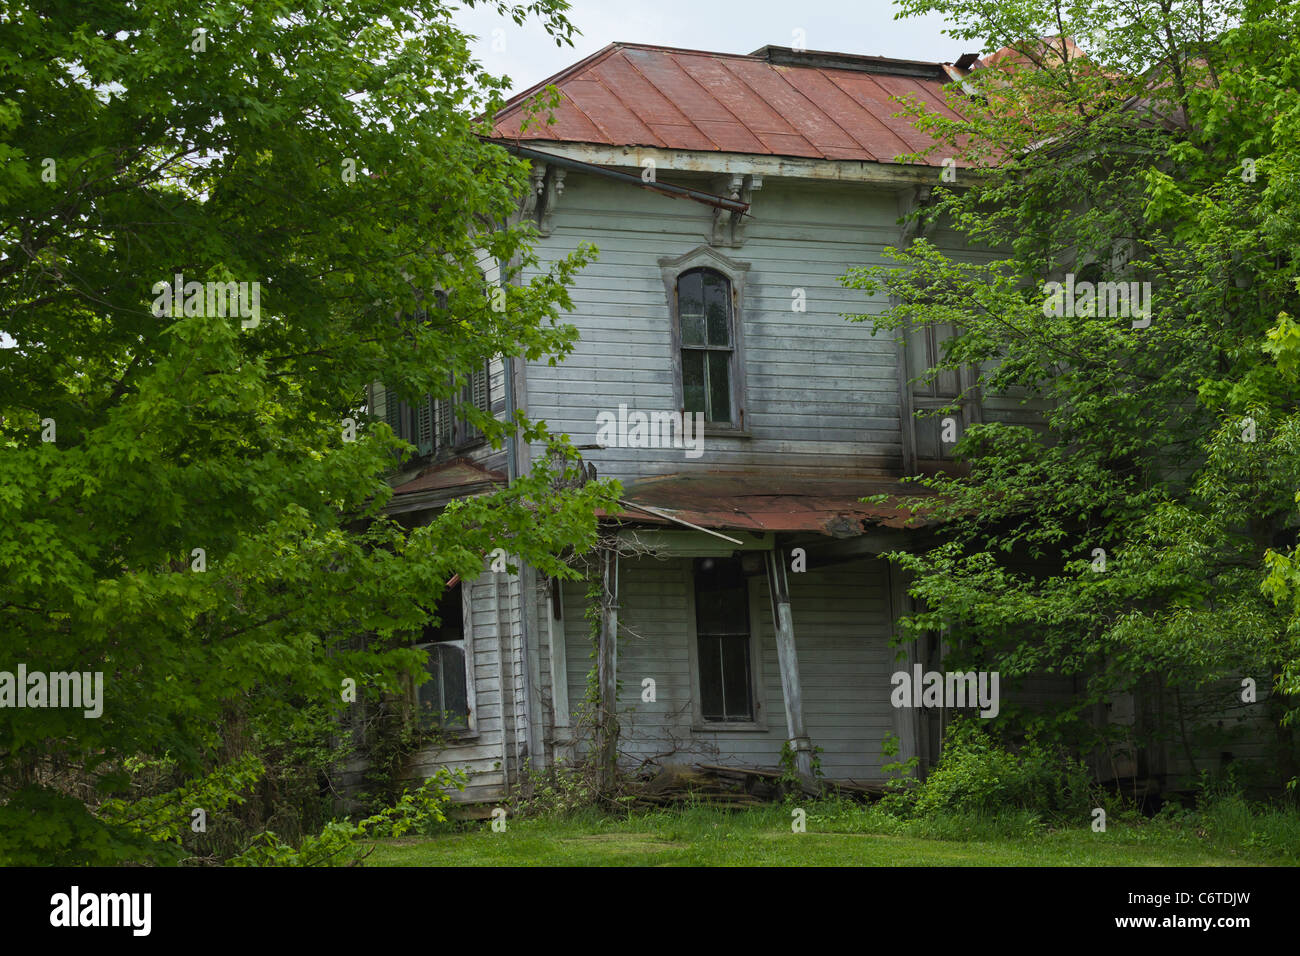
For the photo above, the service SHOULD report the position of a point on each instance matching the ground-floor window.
(443, 700)
(722, 633)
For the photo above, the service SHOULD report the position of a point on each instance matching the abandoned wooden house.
(726, 194)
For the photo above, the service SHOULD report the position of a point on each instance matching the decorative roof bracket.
(729, 225)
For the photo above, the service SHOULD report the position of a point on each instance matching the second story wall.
(820, 393)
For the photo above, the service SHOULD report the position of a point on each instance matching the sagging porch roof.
(829, 506)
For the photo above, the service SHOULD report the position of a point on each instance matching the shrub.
(416, 810)
(977, 774)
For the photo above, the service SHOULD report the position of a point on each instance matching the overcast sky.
(528, 56)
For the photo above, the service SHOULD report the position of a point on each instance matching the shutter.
(480, 386)
(442, 422)
(480, 395)
(424, 436)
(392, 411)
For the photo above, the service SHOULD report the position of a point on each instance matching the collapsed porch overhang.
(438, 484)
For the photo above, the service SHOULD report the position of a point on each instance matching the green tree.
(1165, 151)
(181, 507)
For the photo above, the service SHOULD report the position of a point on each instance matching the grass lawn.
(837, 835)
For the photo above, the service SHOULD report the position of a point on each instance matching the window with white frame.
(443, 699)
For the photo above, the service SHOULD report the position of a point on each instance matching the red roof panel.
(732, 137)
(622, 79)
(864, 88)
(571, 123)
(667, 76)
(684, 137)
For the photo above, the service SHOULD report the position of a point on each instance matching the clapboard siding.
(842, 627)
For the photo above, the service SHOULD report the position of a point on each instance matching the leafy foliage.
(1164, 153)
(336, 844)
(226, 156)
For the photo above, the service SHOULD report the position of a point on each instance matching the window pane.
(454, 698)
(721, 605)
(948, 386)
(430, 692)
(443, 699)
(710, 660)
(690, 307)
(717, 307)
(735, 678)
(719, 386)
(450, 626)
(693, 380)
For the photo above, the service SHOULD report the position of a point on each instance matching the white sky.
(528, 56)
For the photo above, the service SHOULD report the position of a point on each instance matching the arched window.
(704, 309)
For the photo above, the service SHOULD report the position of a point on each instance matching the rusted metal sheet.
(841, 127)
(683, 137)
(609, 113)
(751, 503)
(761, 104)
(669, 76)
(867, 88)
(572, 124)
(734, 97)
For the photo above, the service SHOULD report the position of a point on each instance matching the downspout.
(502, 645)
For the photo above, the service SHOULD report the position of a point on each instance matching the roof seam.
(822, 73)
(631, 112)
(730, 112)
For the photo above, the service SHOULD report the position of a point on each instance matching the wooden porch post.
(559, 672)
(906, 720)
(607, 665)
(783, 622)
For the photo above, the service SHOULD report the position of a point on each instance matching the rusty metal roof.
(831, 506)
(775, 102)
